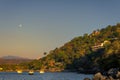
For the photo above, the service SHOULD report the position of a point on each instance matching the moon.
(20, 25)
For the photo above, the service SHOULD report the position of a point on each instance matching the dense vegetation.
(89, 53)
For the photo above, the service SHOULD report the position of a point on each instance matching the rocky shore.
(112, 74)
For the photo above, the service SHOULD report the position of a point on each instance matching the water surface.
(45, 76)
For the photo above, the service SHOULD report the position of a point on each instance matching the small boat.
(31, 72)
(19, 71)
(42, 71)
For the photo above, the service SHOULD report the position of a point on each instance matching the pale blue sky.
(47, 24)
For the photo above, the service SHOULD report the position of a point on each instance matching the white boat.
(19, 71)
(31, 72)
(42, 71)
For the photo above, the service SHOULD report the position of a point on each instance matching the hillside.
(89, 53)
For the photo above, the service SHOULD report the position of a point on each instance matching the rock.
(113, 73)
(111, 78)
(87, 79)
(99, 76)
(118, 75)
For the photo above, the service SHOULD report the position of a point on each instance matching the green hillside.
(89, 53)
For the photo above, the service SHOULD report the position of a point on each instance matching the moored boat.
(42, 71)
(19, 71)
(31, 72)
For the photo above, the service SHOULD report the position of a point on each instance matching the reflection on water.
(45, 76)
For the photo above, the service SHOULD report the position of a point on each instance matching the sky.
(28, 28)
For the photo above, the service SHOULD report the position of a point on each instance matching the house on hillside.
(99, 45)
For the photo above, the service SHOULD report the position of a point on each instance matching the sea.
(44, 76)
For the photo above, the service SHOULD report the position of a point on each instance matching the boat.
(31, 72)
(42, 71)
(19, 71)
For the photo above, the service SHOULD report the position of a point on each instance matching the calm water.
(45, 76)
